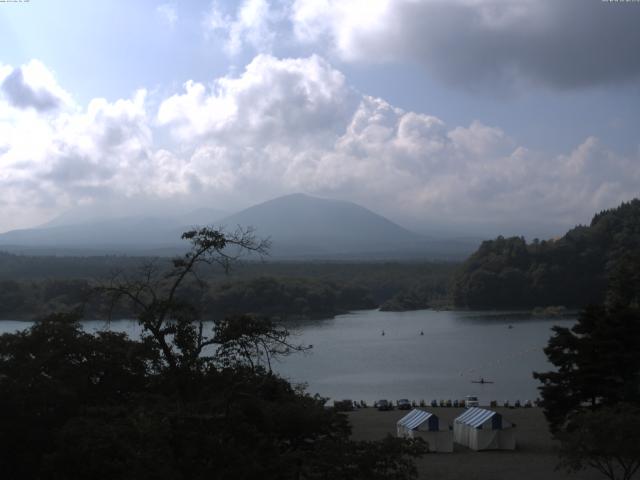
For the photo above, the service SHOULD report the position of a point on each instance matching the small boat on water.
(482, 381)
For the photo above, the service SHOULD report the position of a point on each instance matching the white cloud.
(293, 99)
(32, 86)
(294, 124)
(491, 44)
(488, 43)
(168, 13)
(255, 24)
(498, 45)
(345, 24)
(51, 162)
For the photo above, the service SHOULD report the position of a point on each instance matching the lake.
(352, 359)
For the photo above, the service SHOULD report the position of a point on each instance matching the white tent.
(481, 429)
(425, 425)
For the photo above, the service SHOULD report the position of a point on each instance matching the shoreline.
(535, 456)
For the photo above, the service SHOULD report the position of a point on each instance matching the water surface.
(352, 359)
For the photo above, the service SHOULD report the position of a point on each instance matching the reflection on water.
(352, 359)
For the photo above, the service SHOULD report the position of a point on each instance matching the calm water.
(352, 359)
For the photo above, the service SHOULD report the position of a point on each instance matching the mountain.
(303, 225)
(122, 235)
(299, 226)
(574, 270)
(136, 235)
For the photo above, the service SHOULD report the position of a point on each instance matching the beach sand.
(534, 458)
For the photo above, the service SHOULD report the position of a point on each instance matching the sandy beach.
(534, 457)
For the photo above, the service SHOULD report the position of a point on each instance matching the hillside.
(572, 271)
(300, 227)
(133, 235)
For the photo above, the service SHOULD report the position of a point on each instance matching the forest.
(32, 287)
(571, 271)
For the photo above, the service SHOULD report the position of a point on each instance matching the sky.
(469, 116)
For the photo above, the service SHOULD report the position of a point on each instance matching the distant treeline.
(37, 286)
(429, 292)
(572, 271)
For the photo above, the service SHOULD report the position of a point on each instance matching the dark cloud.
(22, 95)
(562, 44)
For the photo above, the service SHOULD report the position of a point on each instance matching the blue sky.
(481, 116)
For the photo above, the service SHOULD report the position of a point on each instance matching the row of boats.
(421, 333)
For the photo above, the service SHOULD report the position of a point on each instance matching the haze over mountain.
(77, 235)
(299, 226)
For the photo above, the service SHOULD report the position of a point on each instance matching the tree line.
(284, 299)
(184, 401)
(284, 290)
(572, 271)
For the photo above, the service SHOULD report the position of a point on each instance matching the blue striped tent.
(481, 429)
(426, 425)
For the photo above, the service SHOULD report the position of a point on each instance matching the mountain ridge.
(300, 226)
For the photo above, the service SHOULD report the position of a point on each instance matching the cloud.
(284, 125)
(299, 100)
(168, 13)
(254, 24)
(287, 125)
(52, 162)
(33, 86)
(482, 43)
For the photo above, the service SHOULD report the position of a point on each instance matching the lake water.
(352, 359)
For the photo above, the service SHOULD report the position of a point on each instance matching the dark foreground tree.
(607, 439)
(180, 403)
(592, 399)
(158, 297)
(55, 372)
(597, 363)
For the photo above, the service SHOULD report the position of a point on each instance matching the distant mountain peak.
(303, 223)
(299, 225)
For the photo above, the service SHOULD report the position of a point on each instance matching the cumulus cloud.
(54, 161)
(295, 124)
(32, 86)
(254, 24)
(567, 44)
(296, 99)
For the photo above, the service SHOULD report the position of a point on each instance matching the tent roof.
(475, 416)
(415, 418)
